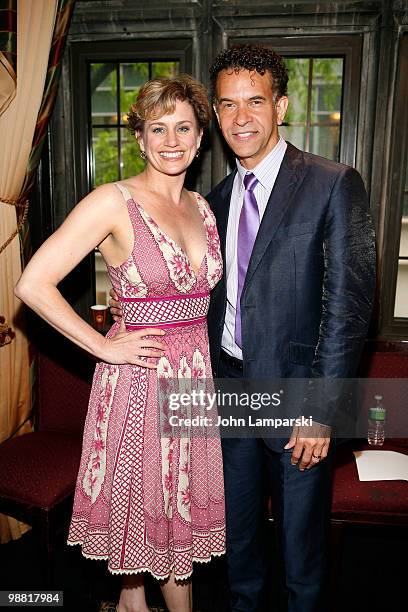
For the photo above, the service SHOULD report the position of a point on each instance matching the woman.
(144, 503)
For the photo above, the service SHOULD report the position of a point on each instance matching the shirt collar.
(262, 171)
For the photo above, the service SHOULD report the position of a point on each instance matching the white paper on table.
(381, 465)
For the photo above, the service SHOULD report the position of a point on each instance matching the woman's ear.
(199, 138)
(140, 140)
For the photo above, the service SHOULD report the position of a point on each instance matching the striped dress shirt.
(266, 172)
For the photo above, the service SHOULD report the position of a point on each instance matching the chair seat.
(383, 501)
(40, 468)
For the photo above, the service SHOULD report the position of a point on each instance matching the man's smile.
(244, 135)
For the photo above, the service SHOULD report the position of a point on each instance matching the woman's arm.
(91, 221)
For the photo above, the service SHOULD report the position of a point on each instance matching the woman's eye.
(184, 128)
(158, 130)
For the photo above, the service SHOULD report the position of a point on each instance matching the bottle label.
(377, 414)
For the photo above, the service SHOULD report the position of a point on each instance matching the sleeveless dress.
(146, 502)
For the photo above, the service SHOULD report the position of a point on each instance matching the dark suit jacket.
(308, 294)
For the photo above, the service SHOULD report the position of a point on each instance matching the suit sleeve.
(348, 293)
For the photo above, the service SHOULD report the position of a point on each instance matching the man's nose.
(242, 115)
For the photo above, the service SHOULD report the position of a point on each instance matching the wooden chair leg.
(46, 536)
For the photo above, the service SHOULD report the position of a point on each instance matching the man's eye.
(227, 105)
(256, 102)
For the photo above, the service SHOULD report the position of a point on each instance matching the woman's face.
(171, 142)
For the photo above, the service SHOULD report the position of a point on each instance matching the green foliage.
(325, 70)
(298, 69)
(132, 76)
(330, 71)
(325, 89)
(105, 156)
(131, 160)
(105, 140)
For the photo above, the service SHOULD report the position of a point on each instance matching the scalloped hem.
(142, 570)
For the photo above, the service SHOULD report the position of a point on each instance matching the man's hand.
(310, 445)
(114, 305)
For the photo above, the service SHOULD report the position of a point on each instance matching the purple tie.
(247, 231)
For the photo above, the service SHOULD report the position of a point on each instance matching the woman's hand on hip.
(134, 347)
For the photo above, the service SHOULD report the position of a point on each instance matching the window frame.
(308, 124)
(82, 54)
(390, 325)
(337, 45)
(348, 46)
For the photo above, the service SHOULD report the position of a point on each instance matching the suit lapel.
(221, 211)
(290, 175)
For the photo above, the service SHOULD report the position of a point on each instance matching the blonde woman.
(144, 503)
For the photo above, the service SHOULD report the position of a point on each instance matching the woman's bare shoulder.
(107, 197)
(198, 198)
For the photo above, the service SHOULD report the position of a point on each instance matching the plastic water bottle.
(376, 422)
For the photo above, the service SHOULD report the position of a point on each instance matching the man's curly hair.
(251, 57)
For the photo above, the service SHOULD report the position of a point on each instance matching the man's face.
(248, 115)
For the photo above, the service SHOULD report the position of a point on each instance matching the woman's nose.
(171, 139)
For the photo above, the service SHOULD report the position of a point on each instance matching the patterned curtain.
(42, 31)
(8, 84)
(8, 52)
(65, 9)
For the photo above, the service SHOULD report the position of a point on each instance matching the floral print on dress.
(214, 258)
(95, 474)
(178, 265)
(165, 371)
(198, 365)
(167, 450)
(132, 282)
(183, 489)
(185, 376)
(160, 505)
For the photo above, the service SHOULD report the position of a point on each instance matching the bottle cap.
(377, 414)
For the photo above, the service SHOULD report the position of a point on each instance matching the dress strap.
(124, 191)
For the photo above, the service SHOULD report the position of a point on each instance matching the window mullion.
(309, 104)
(119, 138)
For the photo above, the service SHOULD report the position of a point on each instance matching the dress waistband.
(166, 311)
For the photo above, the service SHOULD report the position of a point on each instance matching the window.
(313, 120)
(114, 87)
(105, 80)
(401, 295)
(324, 89)
(395, 251)
(115, 151)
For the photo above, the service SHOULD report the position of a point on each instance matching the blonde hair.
(158, 97)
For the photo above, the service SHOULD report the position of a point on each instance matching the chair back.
(384, 364)
(64, 384)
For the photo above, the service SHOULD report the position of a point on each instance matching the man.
(295, 302)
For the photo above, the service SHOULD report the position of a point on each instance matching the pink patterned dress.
(146, 502)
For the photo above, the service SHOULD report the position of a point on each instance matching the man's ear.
(281, 108)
